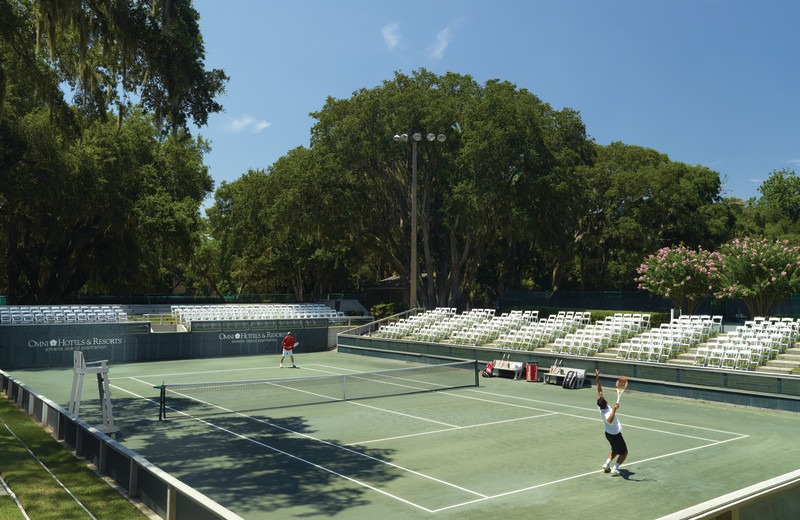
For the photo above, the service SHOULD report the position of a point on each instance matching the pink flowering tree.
(683, 275)
(760, 271)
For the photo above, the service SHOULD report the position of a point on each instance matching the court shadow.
(628, 475)
(254, 464)
(280, 463)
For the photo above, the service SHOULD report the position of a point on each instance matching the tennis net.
(221, 397)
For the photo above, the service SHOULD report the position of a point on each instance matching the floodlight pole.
(416, 137)
(412, 302)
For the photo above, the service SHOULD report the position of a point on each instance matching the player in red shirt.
(288, 344)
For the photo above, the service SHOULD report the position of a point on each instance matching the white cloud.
(246, 123)
(442, 41)
(795, 162)
(756, 180)
(391, 35)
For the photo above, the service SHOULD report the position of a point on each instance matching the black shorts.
(617, 443)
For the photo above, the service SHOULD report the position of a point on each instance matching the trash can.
(532, 372)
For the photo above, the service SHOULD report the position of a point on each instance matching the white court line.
(300, 459)
(338, 370)
(201, 372)
(393, 412)
(594, 409)
(482, 497)
(451, 429)
(329, 398)
(625, 425)
(310, 437)
(676, 434)
(305, 367)
(516, 491)
(561, 405)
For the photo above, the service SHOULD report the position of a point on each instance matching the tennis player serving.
(288, 344)
(613, 431)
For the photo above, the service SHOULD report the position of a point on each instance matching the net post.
(162, 403)
(475, 370)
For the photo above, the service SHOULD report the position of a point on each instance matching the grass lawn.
(38, 492)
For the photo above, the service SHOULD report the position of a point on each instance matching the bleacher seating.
(631, 335)
(593, 339)
(670, 339)
(186, 314)
(414, 325)
(482, 327)
(476, 327)
(53, 314)
(749, 346)
(542, 332)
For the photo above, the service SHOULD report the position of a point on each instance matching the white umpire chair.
(80, 368)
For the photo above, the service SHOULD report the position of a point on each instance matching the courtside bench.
(557, 374)
(505, 368)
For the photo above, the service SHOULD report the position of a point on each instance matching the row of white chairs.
(777, 342)
(774, 321)
(413, 324)
(439, 325)
(475, 327)
(670, 339)
(56, 314)
(708, 324)
(595, 338)
(545, 331)
(732, 356)
(641, 349)
(750, 345)
(489, 331)
(787, 327)
(186, 314)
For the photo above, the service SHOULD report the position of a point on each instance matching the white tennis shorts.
(287, 352)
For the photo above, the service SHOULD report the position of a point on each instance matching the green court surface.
(503, 449)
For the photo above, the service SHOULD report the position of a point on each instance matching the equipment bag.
(570, 380)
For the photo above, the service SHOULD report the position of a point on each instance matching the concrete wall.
(780, 392)
(45, 346)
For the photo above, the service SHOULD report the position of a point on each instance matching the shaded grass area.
(8, 509)
(38, 492)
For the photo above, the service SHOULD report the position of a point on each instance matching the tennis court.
(503, 448)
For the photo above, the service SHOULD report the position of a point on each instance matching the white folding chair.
(715, 356)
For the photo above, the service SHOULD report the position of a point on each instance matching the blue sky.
(709, 82)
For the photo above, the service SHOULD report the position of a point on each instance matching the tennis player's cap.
(288, 333)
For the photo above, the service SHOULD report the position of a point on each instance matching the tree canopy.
(101, 193)
(516, 194)
(503, 149)
(113, 212)
(112, 54)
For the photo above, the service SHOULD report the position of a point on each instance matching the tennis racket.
(622, 384)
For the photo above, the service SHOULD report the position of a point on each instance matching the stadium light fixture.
(416, 136)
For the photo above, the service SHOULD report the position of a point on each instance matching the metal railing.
(369, 328)
(165, 495)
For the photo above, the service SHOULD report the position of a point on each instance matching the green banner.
(43, 346)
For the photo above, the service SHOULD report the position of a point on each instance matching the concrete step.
(773, 370)
(166, 327)
(784, 364)
(779, 363)
(607, 354)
